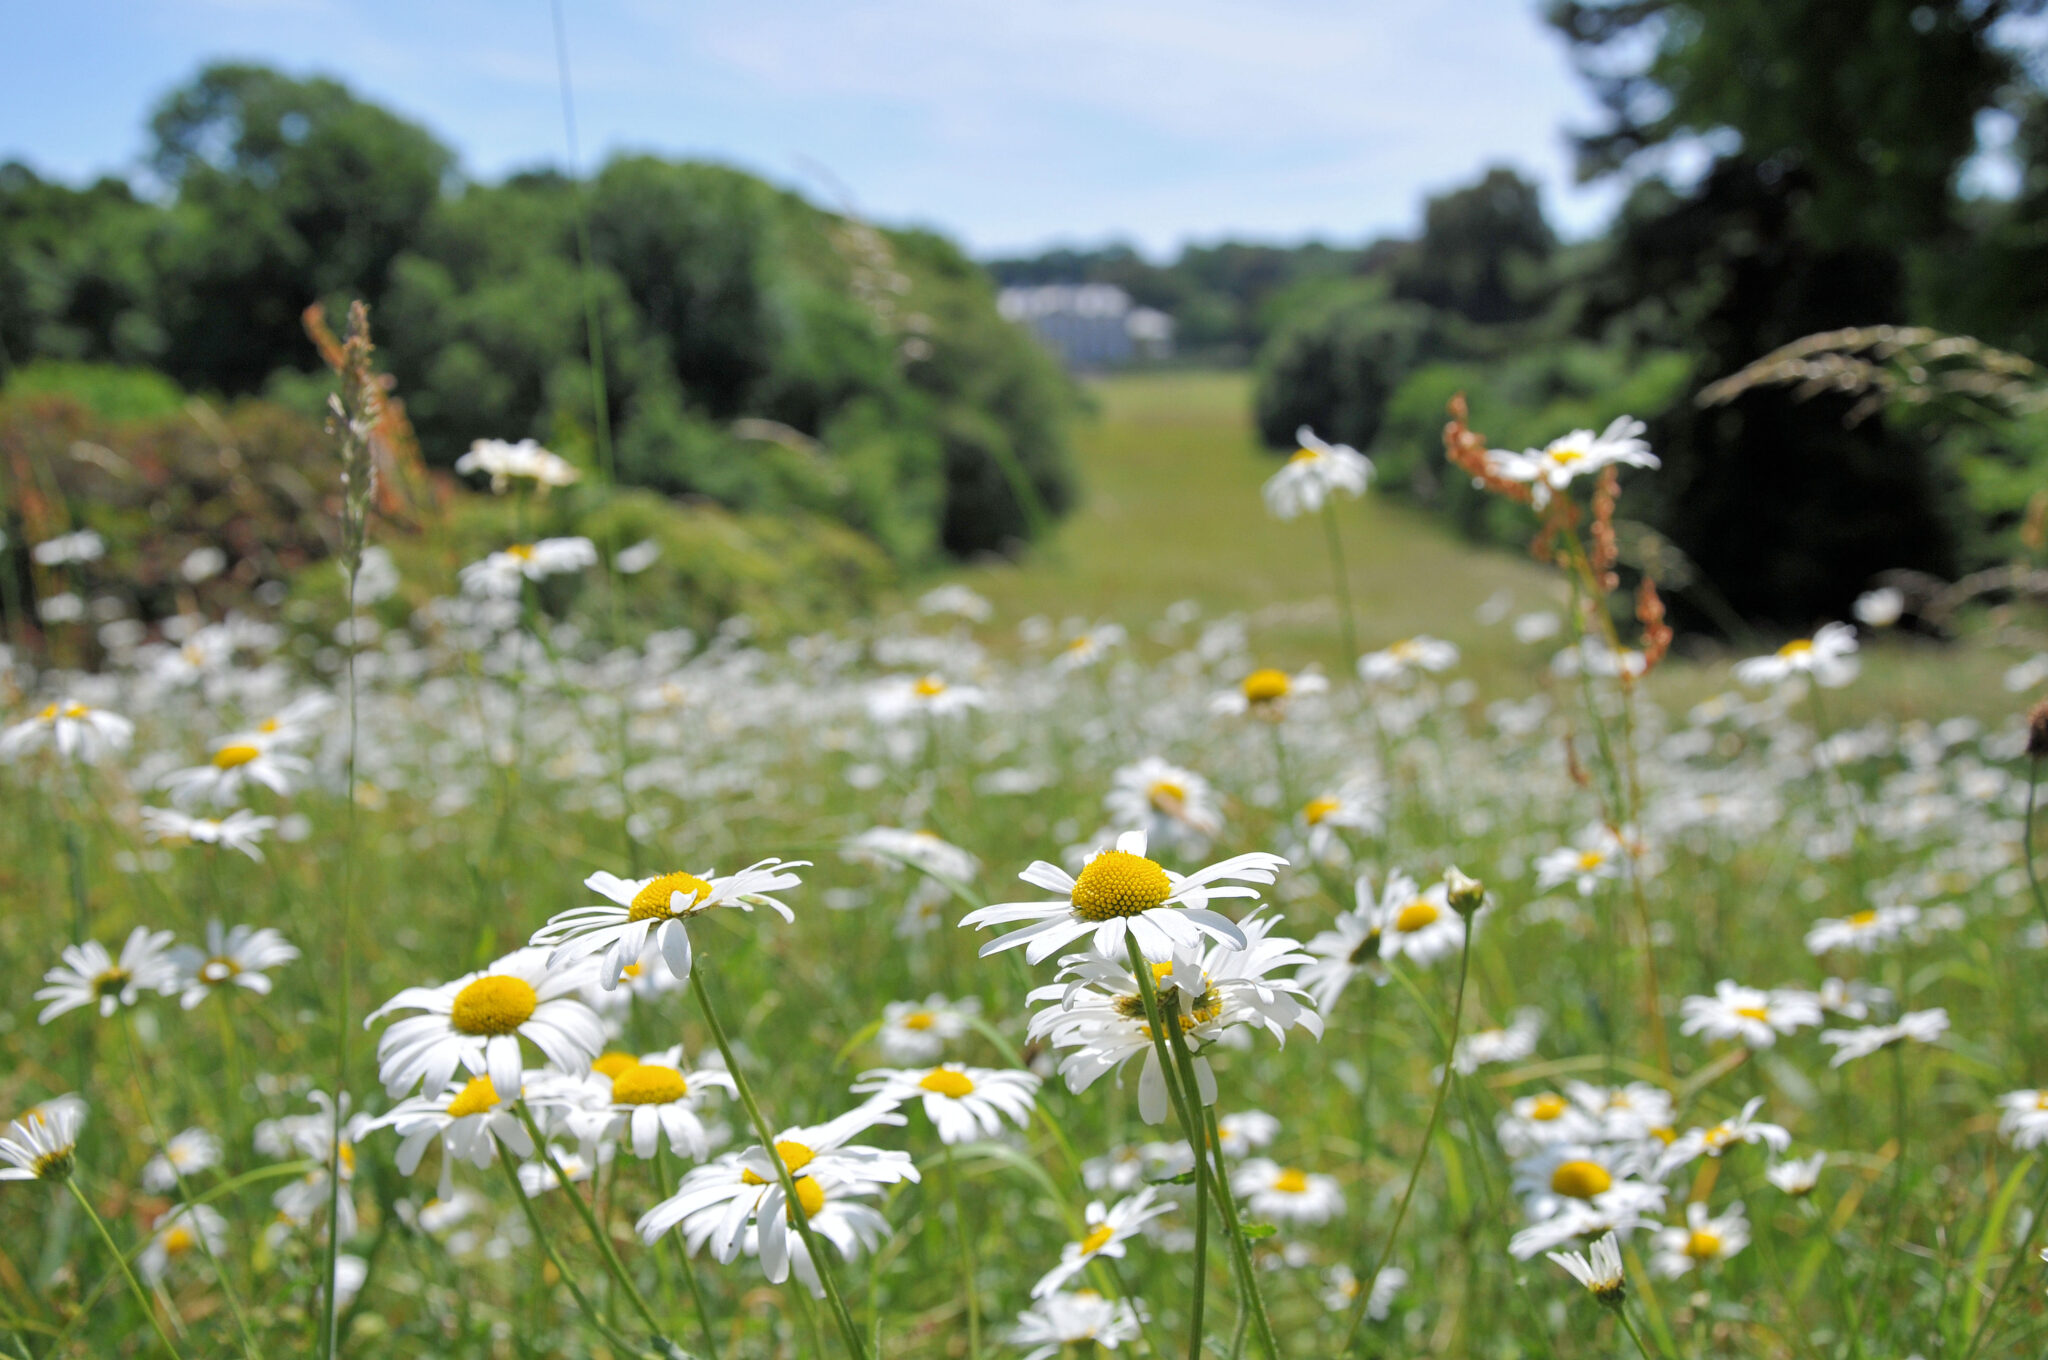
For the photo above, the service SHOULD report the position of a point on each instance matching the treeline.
(758, 351)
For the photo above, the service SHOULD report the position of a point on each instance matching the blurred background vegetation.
(1793, 166)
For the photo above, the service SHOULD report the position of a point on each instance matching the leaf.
(1252, 1232)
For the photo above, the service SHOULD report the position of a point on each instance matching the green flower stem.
(547, 1245)
(1629, 1325)
(1436, 1110)
(2027, 843)
(847, 1330)
(966, 1253)
(1240, 1250)
(596, 1229)
(330, 1340)
(1343, 580)
(683, 1254)
(220, 1273)
(2019, 1262)
(1181, 1101)
(134, 1285)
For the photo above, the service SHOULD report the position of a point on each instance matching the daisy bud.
(2037, 730)
(1465, 892)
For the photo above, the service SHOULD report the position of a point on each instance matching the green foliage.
(1334, 366)
(107, 390)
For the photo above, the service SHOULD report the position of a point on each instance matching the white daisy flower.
(1530, 1122)
(233, 765)
(1286, 1193)
(1796, 1175)
(77, 731)
(475, 1023)
(1704, 1240)
(239, 830)
(538, 1177)
(956, 599)
(43, 1144)
(1120, 890)
(1829, 657)
(1499, 1044)
(1340, 1290)
(657, 910)
(1267, 692)
(1753, 1017)
(1059, 1320)
(963, 1103)
(906, 696)
(314, 1137)
(737, 1203)
(81, 545)
(1879, 608)
(237, 957)
(187, 1154)
(1626, 1114)
(1315, 472)
(1584, 869)
(1174, 806)
(918, 1031)
(654, 1097)
(1409, 656)
(1599, 1270)
(1556, 1177)
(1865, 932)
(1245, 1132)
(297, 723)
(1623, 1212)
(1424, 928)
(502, 575)
(2023, 1119)
(1580, 453)
(1743, 1128)
(175, 1237)
(1087, 647)
(1924, 1027)
(525, 461)
(888, 847)
(1351, 944)
(89, 975)
(1108, 1230)
(468, 1118)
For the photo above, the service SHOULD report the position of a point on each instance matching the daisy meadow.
(657, 911)
(1120, 890)
(909, 696)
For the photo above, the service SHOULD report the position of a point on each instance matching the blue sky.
(1010, 124)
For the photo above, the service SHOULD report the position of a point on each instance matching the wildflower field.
(1162, 948)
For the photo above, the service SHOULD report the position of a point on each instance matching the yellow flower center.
(795, 1156)
(632, 970)
(1566, 457)
(1754, 1013)
(929, 686)
(1117, 883)
(1863, 918)
(493, 1005)
(267, 725)
(612, 1063)
(110, 983)
(1167, 796)
(947, 1082)
(1796, 647)
(49, 713)
(1319, 808)
(478, 1097)
(1415, 916)
(1702, 1245)
(178, 1241)
(1717, 1137)
(1291, 1182)
(1265, 685)
(234, 756)
(649, 1084)
(1665, 1134)
(653, 902)
(1581, 1179)
(919, 1020)
(1097, 1240)
(1304, 456)
(811, 1195)
(522, 551)
(1591, 860)
(54, 1166)
(1547, 1107)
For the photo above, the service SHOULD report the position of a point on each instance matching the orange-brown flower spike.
(1656, 632)
(1601, 548)
(1465, 450)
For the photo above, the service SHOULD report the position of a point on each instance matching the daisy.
(653, 1097)
(1266, 692)
(1120, 890)
(176, 1235)
(1599, 1269)
(1756, 1018)
(1532, 1121)
(187, 1154)
(1423, 927)
(1172, 805)
(904, 696)
(1108, 1230)
(1621, 1214)
(1829, 656)
(1703, 1240)
(1584, 869)
(525, 461)
(1285, 1193)
(316, 1138)
(238, 957)
(737, 1202)
(887, 847)
(90, 975)
(470, 1119)
(1923, 1027)
(1557, 1177)
(1357, 805)
(1314, 473)
(42, 1145)
(1410, 656)
(538, 1177)
(1246, 1131)
(75, 729)
(1796, 1175)
(233, 764)
(295, 724)
(1340, 1290)
(1502, 1044)
(1087, 647)
(502, 575)
(1059, 1320)
(239, 830)
(1879, 608)
(659, 909)
(962, 1102)
(2023, 1119)
(1626, 1114)
(1744, 1128)
(1552, 467)
(918, 1031)
(476, 1022)
(1350, 944)
(81, 545)
(1865, 932)
(957, 600)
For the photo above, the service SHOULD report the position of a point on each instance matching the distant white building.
(1089, 325)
